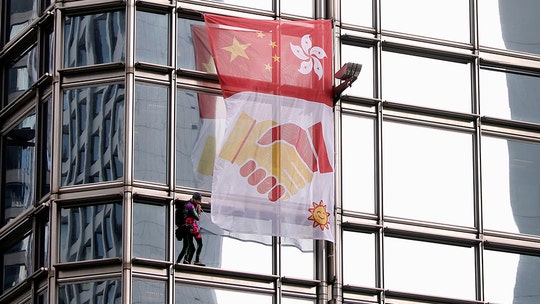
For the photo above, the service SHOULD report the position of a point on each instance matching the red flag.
(274, 172)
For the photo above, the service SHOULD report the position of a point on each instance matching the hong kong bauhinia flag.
(274, 173)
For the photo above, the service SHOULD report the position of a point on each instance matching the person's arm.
(192, 211)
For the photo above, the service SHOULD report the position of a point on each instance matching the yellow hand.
(274, 167)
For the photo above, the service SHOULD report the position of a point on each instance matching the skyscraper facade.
(107, 118)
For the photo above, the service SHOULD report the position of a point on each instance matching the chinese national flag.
(274, 174)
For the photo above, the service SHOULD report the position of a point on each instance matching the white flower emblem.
(311, 55)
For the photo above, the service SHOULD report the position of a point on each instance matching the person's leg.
(185, 246)
(198, 254)
(191, 249)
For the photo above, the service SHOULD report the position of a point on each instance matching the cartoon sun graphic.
(319, 216)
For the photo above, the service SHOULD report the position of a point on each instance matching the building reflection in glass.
(90, 232)
(519, 24)
(18, 169)
(91, 292)
(21, 13)
(17, 261)
(22, 74)
(93, 134)
(94, 39)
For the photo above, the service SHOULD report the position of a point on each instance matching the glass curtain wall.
(111, 115)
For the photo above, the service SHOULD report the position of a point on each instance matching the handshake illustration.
(279, 160)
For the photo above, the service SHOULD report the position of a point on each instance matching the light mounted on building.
(348, 74)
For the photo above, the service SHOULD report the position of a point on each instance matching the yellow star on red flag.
(237, 49)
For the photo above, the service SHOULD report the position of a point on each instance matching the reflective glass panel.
(93, 134)
(260, 4)
(193, 47)
(429, 268)
(298, 7)
(21, 74)
(108, 292)
(43, 251)
(200, 120)
(503, 24)
(286, 300)
(363, 86)
(297, 263)
(18, 170)
(152, 37)
(220, 249)
(426, 82)
(94, 39)
(358, 158)
(151, 124)
(358, 12)
(149, 292)
(46, 153)
(17, 262)
(358, 259)
(510, 278)
(49, 50)
(510, 183)
(428, 174)
(20, 13)
(447, 19)
(90, 232)
(509, 95)
(185, 55)
(149, 231)
(191, 294)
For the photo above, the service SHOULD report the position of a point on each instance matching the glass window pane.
(298, 7)
(503, 24)
(191, 294)
(109, 291)
(193, 47)
(358, 157)
(149, 292)
(151, 124)
(260, 4)
(90, 232)
(185, 55)
(297, 263)
(358, 259)
(149, 231)
(21, 74)
(20, 14)
(510, 183)
(93, 134)
(18, 169)
(49, 50)
(16, 262)
(220, 249)
(426, 82)
(428, 174)
(448, 19)
(510, 96)
(509, 277)
(357, 12)
(429, 268)
(200, 120)
(363, 86)
(46, 154)
(286, 300)
(43, 251)
(152, 37)
(94, 39)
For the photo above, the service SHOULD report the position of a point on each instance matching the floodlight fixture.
(348, 74)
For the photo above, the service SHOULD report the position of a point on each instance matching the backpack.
(179, 218)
